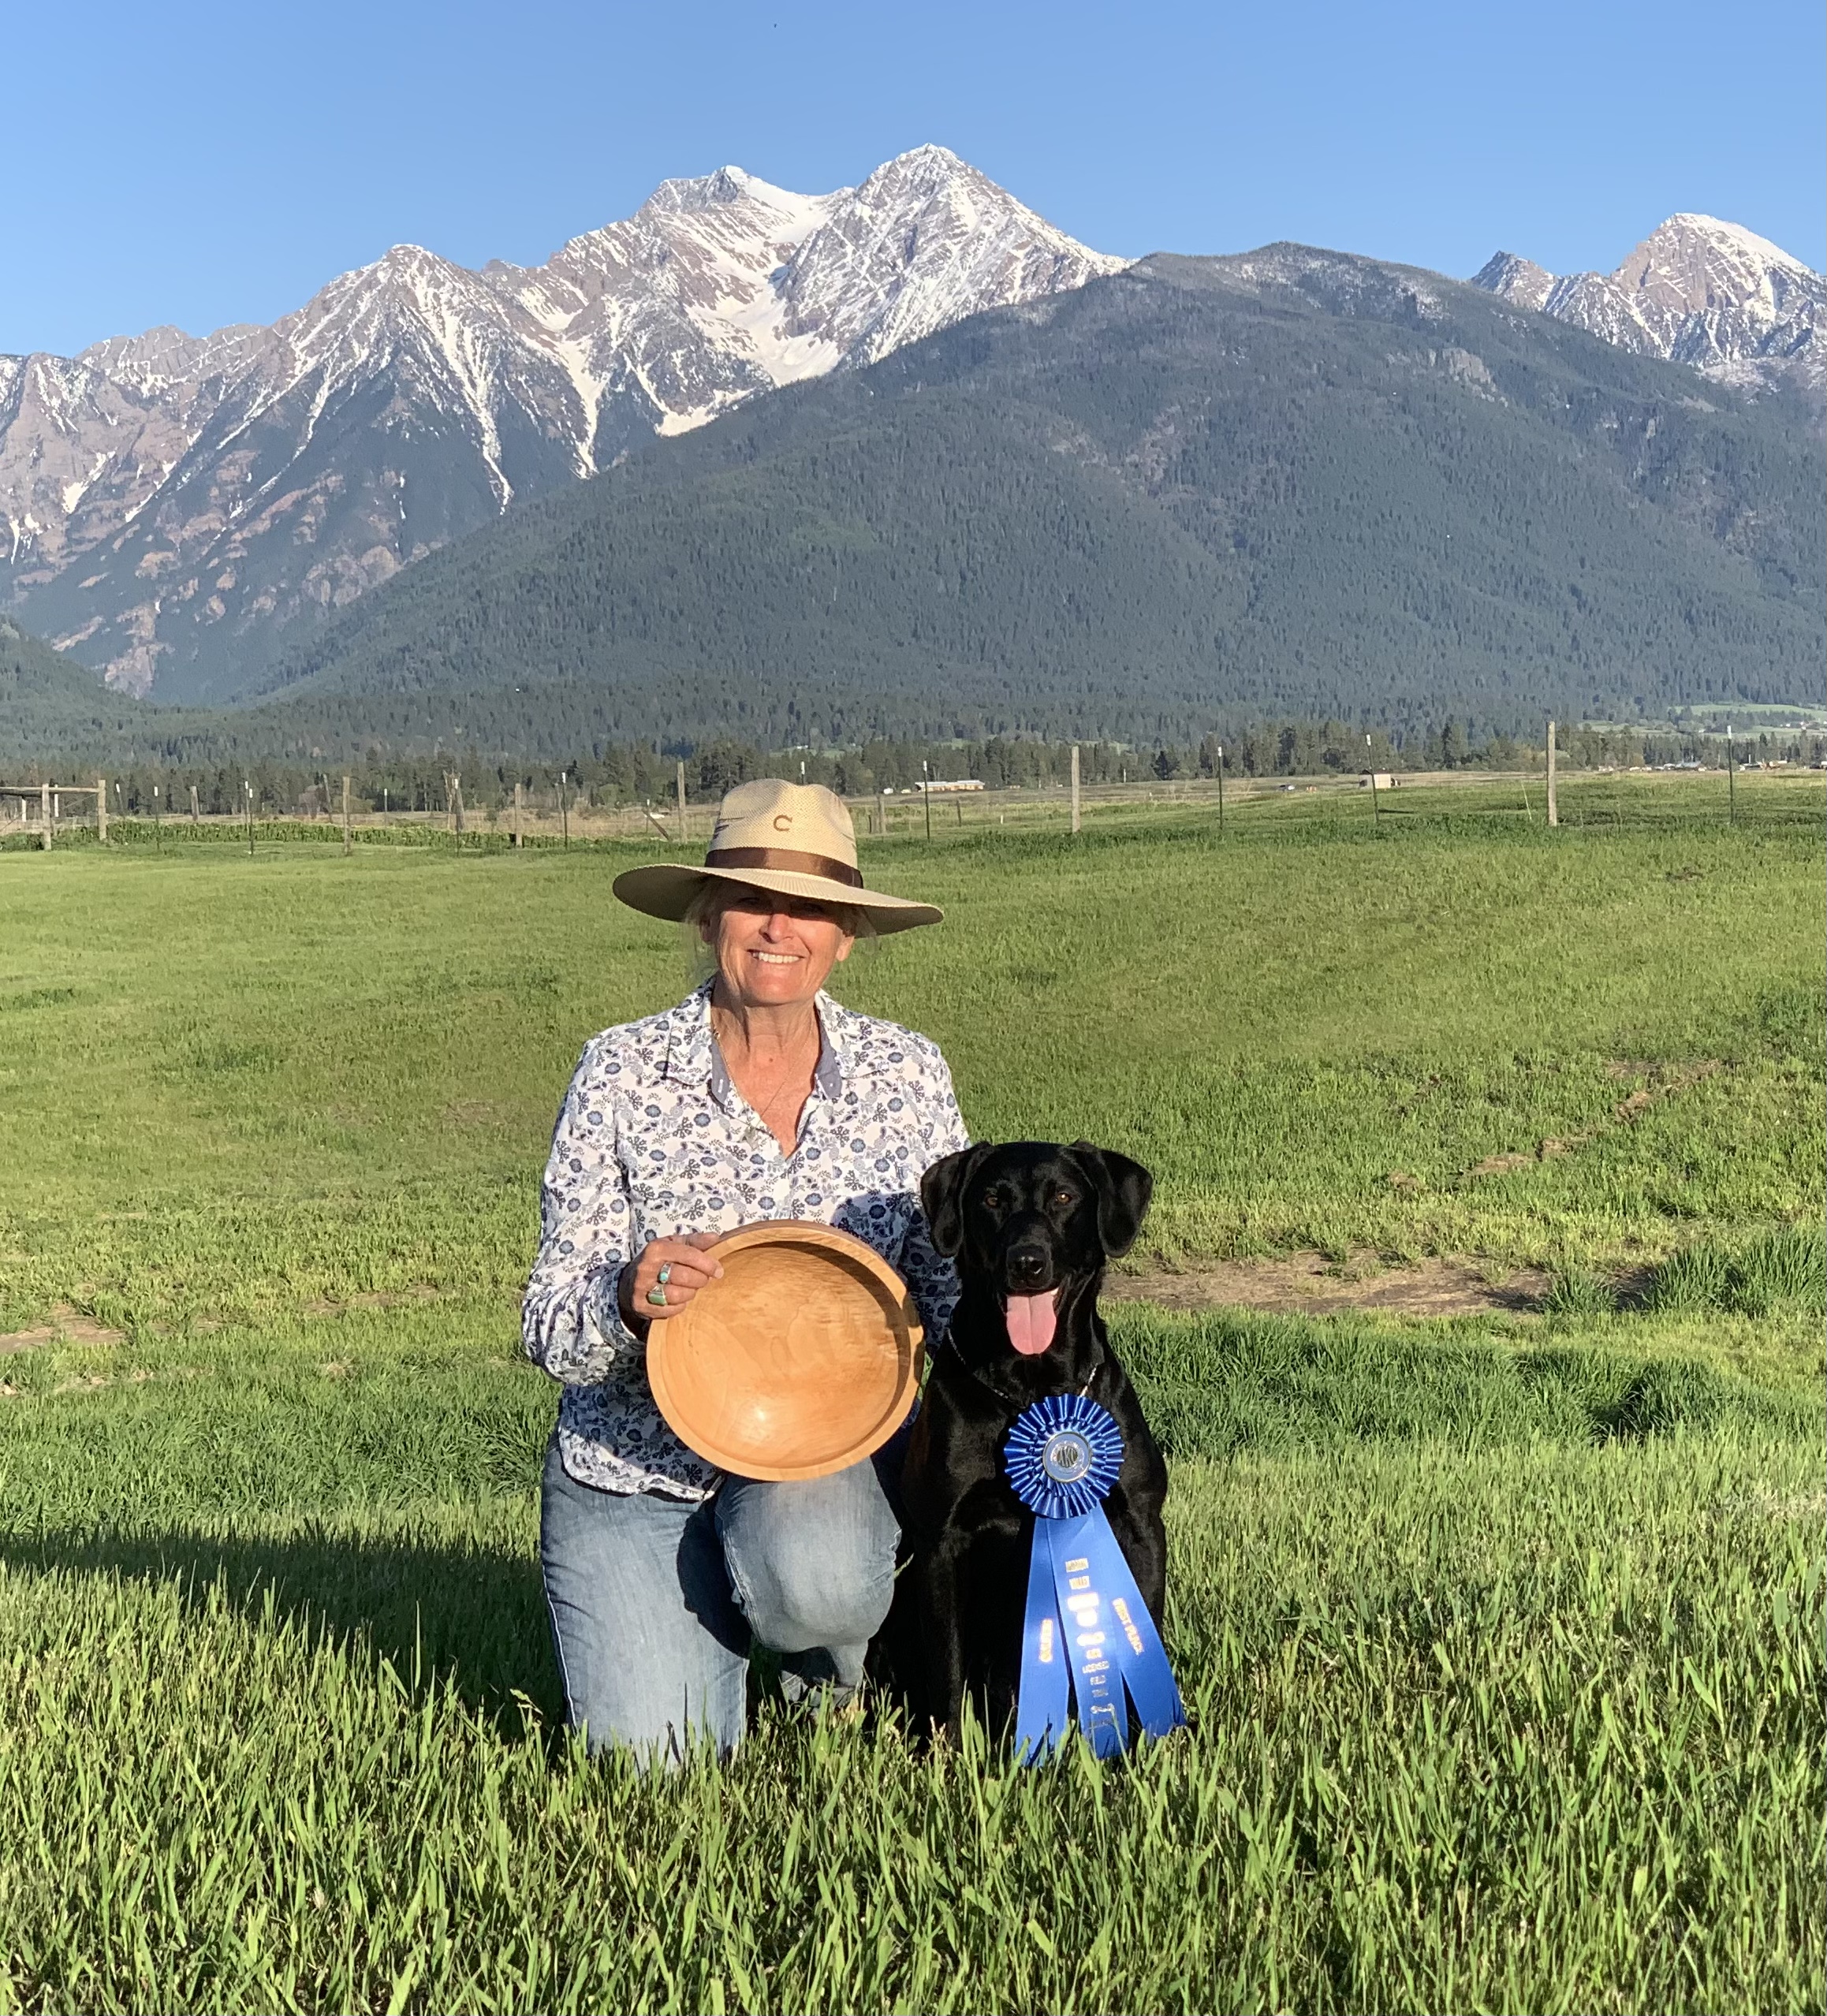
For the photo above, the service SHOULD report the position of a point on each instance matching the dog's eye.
(995, 1199)
(1064, 1199)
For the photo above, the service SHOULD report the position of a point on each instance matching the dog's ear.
(942, 1197)
(1124, 1188)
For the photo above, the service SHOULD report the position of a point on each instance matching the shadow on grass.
(469, 1616)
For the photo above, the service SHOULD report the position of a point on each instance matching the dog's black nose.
(1027, 1265)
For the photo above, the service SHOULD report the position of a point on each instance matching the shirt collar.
(693, 1058)
(689, 1048)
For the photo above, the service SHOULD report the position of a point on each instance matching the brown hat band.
(783, 860)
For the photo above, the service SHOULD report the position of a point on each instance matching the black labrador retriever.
(1031, 1224)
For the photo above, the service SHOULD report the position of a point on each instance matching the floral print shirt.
(654, 1141)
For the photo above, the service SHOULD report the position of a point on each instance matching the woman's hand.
(689, 1271)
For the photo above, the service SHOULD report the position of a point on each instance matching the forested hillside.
(1198, 492)
(49, 702)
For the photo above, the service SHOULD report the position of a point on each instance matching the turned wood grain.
(802, 1360)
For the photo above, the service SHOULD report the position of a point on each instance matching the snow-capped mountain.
(170, 504)
(1696, 290)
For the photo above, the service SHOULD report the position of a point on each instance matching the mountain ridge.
(224, 496)
(170, 504)
(1320, 483)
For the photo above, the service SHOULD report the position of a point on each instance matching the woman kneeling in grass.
(757, 1096)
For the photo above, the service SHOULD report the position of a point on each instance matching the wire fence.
(1337, 807)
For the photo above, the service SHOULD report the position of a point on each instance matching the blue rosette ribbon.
(1086, 1632)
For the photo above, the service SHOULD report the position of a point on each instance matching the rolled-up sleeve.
(570, 1322)
(931, 1278)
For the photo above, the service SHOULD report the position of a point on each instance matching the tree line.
(634, 773)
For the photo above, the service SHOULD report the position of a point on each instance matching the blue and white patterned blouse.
(654, 1141)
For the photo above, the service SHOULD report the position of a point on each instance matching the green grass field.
(1503, 1633)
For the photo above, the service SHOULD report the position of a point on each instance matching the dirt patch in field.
(1665, 1081)
(1310, 1285)
(67, 1326)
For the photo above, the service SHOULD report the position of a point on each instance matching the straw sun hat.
(790, 839)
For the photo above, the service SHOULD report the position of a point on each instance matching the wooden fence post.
(1074, 787)
(193, 806)
(347, 838)
(1553, 809)
(517, 802)
(44, 812)
(101, 811)
(681, 783)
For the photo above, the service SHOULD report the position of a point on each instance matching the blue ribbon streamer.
(1087, 1632)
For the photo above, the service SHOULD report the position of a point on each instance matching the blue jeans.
(654, 1602)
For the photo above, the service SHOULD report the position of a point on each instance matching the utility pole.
(1376, 807)
(1731, 784)
(1221, 791)
(348, 838)
(46, 817)
(1553, 807)
(158, 829)
(194, 815)
(680, 780)
(1074, 787)
(519, 800)
(563, 812)
(926, 794)
(248, 793)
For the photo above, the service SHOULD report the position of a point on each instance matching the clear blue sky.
(185, 161)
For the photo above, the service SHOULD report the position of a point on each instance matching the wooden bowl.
(803, 1359)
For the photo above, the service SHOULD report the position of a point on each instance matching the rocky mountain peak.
(924, 170)
(727, 184)
(1691, 263)
(1516, 278)
(924, 241)
(1697, 289)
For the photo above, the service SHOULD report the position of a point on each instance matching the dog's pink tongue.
(1031, 1322)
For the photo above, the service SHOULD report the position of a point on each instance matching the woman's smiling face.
(773, 950)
